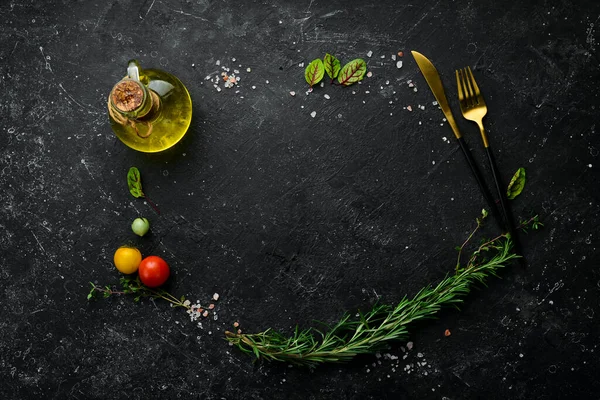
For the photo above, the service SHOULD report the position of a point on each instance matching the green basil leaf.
(134, 181)
(332, 65)
(314, 72)
(516, 185)
(352, 72)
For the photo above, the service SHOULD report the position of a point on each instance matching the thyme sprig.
(131, 286)
(351, 337)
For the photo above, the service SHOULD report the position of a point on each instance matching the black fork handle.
(504, 203)
(479, 178)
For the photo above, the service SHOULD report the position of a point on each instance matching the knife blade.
(435, 84)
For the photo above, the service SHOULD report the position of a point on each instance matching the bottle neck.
(130, 99)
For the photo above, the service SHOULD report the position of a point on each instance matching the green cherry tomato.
(140, 226)
(153, 271)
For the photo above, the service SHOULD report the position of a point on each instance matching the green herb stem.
(382, 324)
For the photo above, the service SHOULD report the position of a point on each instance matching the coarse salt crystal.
(211, 306)
(394, 57)
(216, 296)
(313, 114)
(383, 56)
(409, 108)
(370, 53)
(326, 96)
(236, 324)
(292, 93)
(301, 65)
(387, 82)
(410, 84)
(248, 69)
(205, 314)
(369, 74)
(267, 82)
(409, 345)
(399, 64)
(218, 62)
(322, 84)
(187, 303)
(253, 87)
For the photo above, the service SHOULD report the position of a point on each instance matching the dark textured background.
(292, 218)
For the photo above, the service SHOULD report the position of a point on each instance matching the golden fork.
(474, 109)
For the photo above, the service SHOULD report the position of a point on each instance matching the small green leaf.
(314, 72)
(352, 72)
(484, 213)
(516, 185)
(106, 294)
(90, 295)
(332, 66)
(134, 182)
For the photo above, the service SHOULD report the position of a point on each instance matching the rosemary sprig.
(351, 337)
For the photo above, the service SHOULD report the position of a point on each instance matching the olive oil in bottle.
(150, 110)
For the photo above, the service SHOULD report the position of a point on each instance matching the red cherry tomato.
(154, 271)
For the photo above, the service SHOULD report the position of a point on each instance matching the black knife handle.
(479, 178)
(504, 202)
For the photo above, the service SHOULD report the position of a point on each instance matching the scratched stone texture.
(293, 218)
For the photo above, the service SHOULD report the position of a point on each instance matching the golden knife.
(435, 84)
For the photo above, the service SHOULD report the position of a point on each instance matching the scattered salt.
(369, 74)
(409, 108)
(409, 345)
(216, 296)
(393, 57)
(292, 93)
(399, 64)
(369, 54)
(326, 96)
(313, 114)
(218, 62)
(248, 69)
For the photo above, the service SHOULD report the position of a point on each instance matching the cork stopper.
(127, 96)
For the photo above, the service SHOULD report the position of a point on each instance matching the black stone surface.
(292, 218)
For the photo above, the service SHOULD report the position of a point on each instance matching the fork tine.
(461, 97)
(472, 79)
(469, 89)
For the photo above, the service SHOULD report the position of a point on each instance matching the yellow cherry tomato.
(127, 259)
